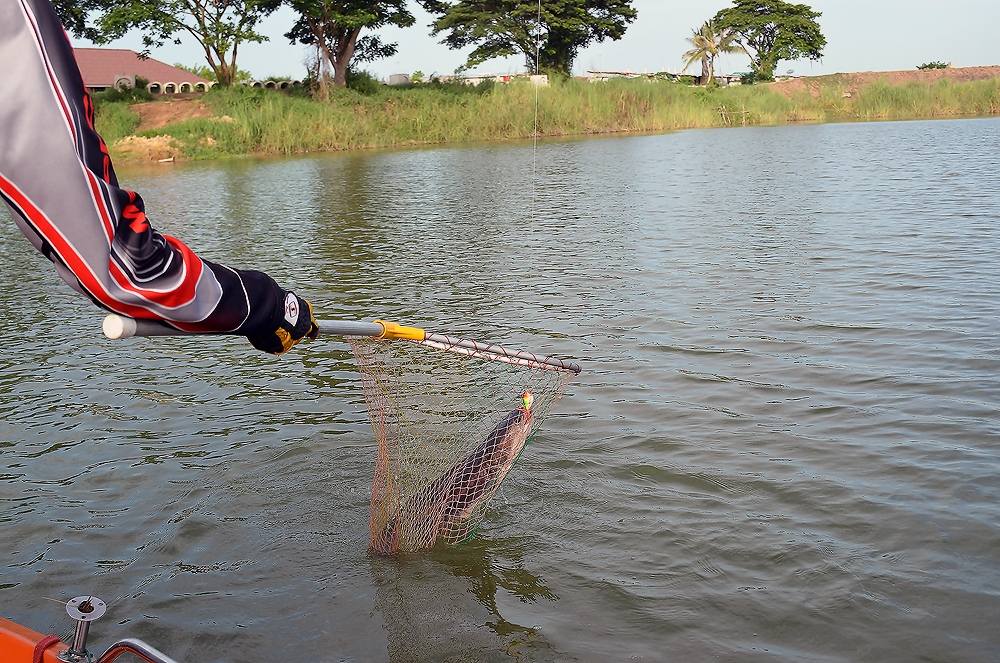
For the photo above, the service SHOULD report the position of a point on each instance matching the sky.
(862, 35)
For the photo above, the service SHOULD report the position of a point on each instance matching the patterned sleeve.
(57, 178)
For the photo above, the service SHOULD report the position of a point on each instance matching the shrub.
(363, 83)
(134, 95)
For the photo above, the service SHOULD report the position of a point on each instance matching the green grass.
(942, 99)
(266, 122)
(115, 121)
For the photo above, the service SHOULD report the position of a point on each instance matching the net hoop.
(497, 353)
(450, 417)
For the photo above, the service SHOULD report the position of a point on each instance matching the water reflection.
(466, 602)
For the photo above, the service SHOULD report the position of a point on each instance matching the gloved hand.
(292, 322)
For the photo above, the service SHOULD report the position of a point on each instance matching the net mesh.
(449, 423)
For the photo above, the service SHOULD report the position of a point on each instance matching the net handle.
(118, 327)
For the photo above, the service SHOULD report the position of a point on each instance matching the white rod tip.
(118, 327)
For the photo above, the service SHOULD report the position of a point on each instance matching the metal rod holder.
(83, 610)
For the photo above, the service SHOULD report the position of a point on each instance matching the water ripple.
(784, 445)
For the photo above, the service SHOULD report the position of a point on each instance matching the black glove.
(292, 321)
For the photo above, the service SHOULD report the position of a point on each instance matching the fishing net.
(450, 418)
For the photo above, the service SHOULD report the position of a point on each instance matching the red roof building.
(107, 67)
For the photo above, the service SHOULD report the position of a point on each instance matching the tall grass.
(941, 99)
(115, 120)
(263, 121)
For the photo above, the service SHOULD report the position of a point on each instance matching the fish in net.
(450, 418)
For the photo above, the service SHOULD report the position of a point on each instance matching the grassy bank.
(115, 121)
(267, 122)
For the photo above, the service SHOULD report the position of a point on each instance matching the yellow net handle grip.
(395, 331)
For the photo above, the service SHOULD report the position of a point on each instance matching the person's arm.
(57, 178)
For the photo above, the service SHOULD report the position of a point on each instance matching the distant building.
(601, 76)
(540, 80)
(273, 84)
(103, 68)
(727, 80)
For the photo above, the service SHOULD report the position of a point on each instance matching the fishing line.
(534, 133)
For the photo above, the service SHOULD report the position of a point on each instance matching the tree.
(200, 70)
(771, 31)
(501, 28)
(242, 75)
(708, 42)
(219, 26)
(334, 28)
(936, 64)
(74, 15)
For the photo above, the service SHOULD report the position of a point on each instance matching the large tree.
(707, 43)
(334, 27)
(501, 28)
(74, 15)
(773, 30)
(219, 26)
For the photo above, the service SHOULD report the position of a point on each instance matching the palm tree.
(708, 43)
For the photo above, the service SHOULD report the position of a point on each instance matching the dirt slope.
(156, 114)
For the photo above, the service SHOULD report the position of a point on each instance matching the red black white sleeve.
(58, 180)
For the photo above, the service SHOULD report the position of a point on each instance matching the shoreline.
(252, 123)
(134, 163)
(138, 163)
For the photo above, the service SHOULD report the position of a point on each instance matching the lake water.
(785, 445)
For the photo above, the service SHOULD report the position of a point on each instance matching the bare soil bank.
(156, 114)
(856, 80)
